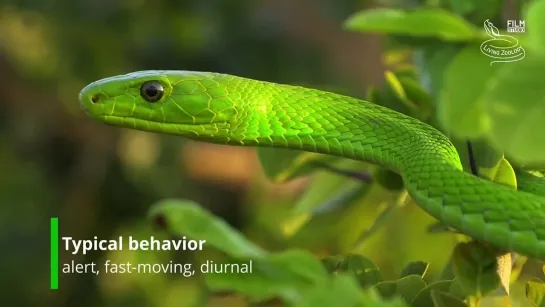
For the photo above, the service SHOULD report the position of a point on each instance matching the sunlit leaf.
(423, 22)
(493, 166)
(535, 293)
(417, 94)
(396, 57)
(504, 265)
(393, 82)
(517, 267)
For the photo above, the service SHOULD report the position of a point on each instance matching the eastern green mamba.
(225, 109)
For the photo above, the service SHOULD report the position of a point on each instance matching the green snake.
(230, 110)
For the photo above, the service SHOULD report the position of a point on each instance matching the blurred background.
(101, 180)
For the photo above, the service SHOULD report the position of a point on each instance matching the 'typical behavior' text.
(152, 244)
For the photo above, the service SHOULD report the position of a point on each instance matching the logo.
(516, 26)
(501, 47)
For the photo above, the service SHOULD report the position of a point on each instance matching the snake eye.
(151, 91)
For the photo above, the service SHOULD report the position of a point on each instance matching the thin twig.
(472, 162)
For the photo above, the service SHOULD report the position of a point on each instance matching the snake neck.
(311, 120)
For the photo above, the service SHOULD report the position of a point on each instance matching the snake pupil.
(151, 91)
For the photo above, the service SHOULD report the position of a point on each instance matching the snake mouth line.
(160, 126)
(126, 120)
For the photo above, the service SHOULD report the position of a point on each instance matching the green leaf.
(408, 287)
(517, 267)
(418, 95)
(475, 267)
(436, 23)
(415, 268)
(326, 185)
(462, 7)
(301, 262)
(461, 109)
(515, 104)
(424, 299)
(477, 11)
(186, 218)
(286, 275)
(312, 205)
(387, 97)
(502, 173)
(386, 289)
(281, 165)
(405, 288)
(332, 263)
(365, 271)
(434, 60)
(407, 72)
(504, 266)
(275, 160)
(397, 88)
(457, 290)
(536, 25)
(494, 167)
(535, 293)
(330, 190)
(382, 218)
(442, 299)
(340, 290)
(485, 155)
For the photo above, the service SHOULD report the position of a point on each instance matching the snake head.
(176, 102)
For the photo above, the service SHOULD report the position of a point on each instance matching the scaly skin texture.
(225, 109)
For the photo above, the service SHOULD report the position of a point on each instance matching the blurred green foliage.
(286, 210)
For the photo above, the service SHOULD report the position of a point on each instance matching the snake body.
(225, 109)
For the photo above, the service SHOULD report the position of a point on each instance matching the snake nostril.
(95, 98)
